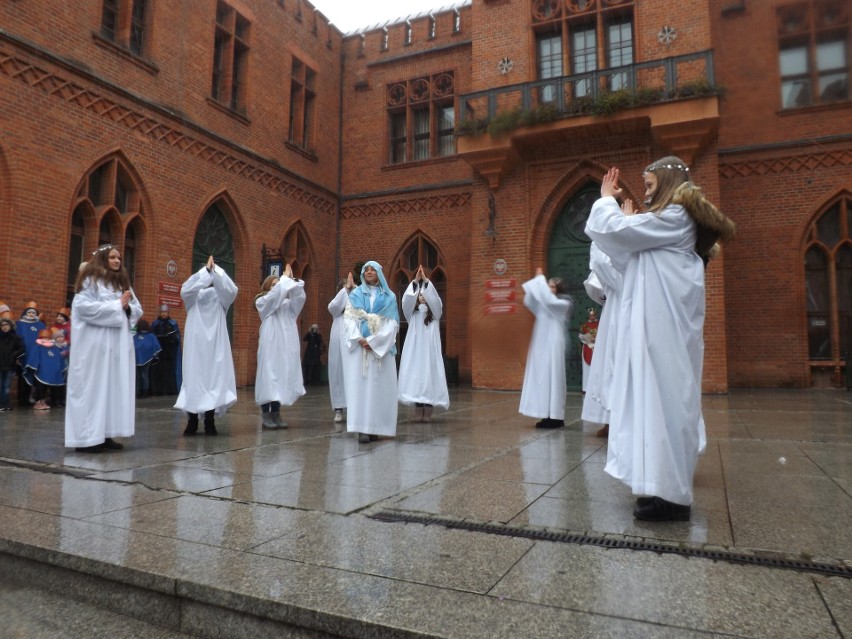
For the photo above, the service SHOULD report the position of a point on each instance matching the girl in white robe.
(337, 391)
(369, 348)
(543, 392)
(279, 371)
(101, 388)
(655, 398)
(209, 385)
(422, 379)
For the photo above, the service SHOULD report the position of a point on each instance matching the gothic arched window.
(828, 282)
(420, 251)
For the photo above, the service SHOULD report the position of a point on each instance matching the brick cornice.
(413, 205)
(786, 164)
(19, 69)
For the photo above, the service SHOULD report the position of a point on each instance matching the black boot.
(658, 509)
(209, 424)
(191, 425)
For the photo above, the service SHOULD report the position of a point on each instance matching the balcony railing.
(593, 92)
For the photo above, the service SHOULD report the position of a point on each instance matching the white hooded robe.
(279, 370)
(337, 390)
(208, 366)
(656, 429)
(543, 392)
(422, 378)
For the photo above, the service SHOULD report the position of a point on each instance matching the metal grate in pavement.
(804, 565)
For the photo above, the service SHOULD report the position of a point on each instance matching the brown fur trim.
(691, 198)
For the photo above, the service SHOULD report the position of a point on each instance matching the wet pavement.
(476, 525)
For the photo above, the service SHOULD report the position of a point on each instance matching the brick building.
(471, 140)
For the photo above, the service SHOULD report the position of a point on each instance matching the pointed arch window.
(828, 282)
(213, 237)
(296, 252)
(108, 209)
(420, 251)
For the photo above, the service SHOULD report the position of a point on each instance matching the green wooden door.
(568, 258)
(213, 237)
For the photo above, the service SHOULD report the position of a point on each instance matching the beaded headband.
(680, 167)
(105, 247)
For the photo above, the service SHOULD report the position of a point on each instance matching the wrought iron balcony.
(675, 99)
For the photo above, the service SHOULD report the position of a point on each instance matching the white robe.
(422, 378)
(543, 392)
(337, 390)
(208, 366)
(101, 388)
(655, 399)
(279, 369)
(603, 286)
(371, 386)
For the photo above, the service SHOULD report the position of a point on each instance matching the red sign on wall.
(500, 295)
(499, 309)
(169, 288)
(170, 300)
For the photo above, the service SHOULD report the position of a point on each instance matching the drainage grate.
(602, 541)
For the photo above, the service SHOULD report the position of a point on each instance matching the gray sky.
(353, 15)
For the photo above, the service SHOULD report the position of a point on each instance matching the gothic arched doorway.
(568, 258)
(213, 237)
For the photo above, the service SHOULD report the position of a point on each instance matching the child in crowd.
(27, 327)
(543, 392)
(279, 376)
(209, 384)
(422, 379)
(48, 366)
(63, 323)
(147, 348)
(11, 348)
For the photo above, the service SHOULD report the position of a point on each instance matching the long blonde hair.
(267, 285)
(671, 172)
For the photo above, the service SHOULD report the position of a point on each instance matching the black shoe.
(603, 432)
(540, 423)
(97, 448)
(551, 423)
(210, 428)
(111, 444)
(661, 510)
(643, 501)
(363, 438)
(373, 438)
(191, 426)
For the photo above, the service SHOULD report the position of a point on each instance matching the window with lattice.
(813, 52)
(576, 37)
(125, 23)
(230, 58)
(421, 118)
(302, 101)
(828, 282)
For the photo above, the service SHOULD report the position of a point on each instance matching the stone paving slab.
(271, 533)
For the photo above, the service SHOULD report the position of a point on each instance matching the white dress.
(337, 391)
(422, 378)
(371, 385)
(656, 429)
(279, 370)
(208, 366)
(543, 392)
(603, 286)
(101, 388)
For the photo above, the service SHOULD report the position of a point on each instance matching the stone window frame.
(564, 19)
(228, 86)
(803, 29)
(415, 110)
